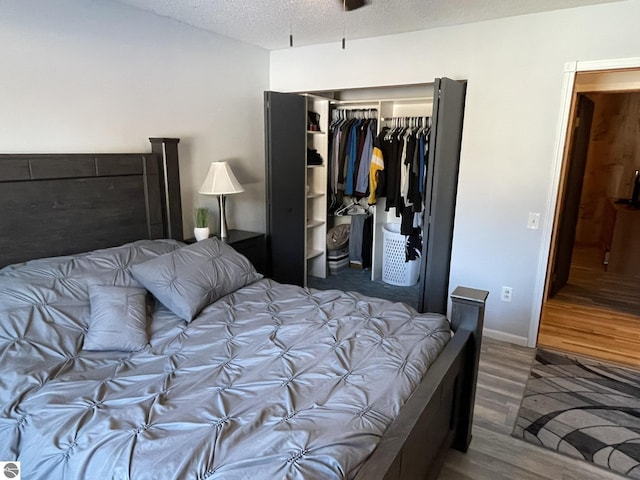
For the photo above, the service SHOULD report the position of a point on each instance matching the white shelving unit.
(316, 185)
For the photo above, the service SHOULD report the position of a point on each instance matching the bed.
(132, 355)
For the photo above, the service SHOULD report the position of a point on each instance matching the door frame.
(561, 145)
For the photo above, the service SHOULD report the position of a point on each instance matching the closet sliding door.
(441, 187)
(285, 125)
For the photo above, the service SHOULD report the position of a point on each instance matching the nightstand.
(250, 244)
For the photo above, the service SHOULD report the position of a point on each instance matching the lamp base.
(222, 201)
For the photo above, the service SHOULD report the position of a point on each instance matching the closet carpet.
(583, 408)
(356, 280)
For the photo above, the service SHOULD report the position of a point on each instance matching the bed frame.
(61, 204)
(439, 413)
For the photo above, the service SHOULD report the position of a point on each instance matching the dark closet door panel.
(285, 125)
(441, 186)
(570, 210)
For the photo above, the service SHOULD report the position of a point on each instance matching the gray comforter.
(270, 382)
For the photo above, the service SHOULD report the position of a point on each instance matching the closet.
(300, 183)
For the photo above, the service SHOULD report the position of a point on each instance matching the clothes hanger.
(335, 118)
(387, 136)
(340, 211)
(357, 209)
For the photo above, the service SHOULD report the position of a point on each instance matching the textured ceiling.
(267, 23)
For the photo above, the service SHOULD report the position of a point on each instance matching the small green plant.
(201, 217)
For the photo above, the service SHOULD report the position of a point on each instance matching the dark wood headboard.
(61, 204)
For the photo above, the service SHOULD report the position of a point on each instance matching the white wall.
(514, 69)
(96, 76)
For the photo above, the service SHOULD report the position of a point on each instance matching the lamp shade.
(220, 180)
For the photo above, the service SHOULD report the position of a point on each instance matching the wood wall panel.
(614, 154)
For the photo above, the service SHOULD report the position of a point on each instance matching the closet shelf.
(314, 253)
(375, 101)
(314, 223)
(315, 194)
(316, 132)
(315, 166)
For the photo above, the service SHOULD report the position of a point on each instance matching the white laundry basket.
(395, 270)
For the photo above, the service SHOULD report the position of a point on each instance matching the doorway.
(591, 304)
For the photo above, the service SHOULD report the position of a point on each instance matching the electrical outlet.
(506, 294)
(534, 221)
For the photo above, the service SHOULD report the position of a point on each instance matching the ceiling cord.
(291, 23)
(344, 23)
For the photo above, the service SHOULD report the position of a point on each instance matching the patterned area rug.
(583, 408)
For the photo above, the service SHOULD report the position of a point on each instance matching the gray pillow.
(118, 319)
(190, 278)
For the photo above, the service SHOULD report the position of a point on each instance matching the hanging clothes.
(392, 150)
(367, 242)
(364, 164)
(368, 165)
(356, 233)
(351, 156)
(360, 231)
(376, 171)
(404, 148)
(351, 135)
(391, 164)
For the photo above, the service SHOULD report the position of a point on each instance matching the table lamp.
(221, 181)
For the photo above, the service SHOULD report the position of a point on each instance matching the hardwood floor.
(493, 453)
(596, 314)
(591, 285)
(595, 332)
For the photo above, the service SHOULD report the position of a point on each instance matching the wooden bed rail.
(439, 413)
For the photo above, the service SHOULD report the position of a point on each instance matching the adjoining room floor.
(596, 314)
(590, 284)
(355, 280)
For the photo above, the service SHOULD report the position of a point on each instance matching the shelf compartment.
(314, 223)
(314, 253)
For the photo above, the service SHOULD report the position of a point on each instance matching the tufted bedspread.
(270, 382)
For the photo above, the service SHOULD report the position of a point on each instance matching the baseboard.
(505, 337)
